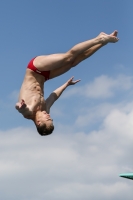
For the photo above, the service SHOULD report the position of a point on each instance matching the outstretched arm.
(56, 93)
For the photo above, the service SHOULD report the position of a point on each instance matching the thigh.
(51, 62)
(57, 72)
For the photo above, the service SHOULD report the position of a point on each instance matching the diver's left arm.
(57, 93)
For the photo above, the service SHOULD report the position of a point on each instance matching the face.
(44, 117)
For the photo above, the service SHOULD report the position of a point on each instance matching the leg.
(86, 54)
(51, 62)
(59, 71)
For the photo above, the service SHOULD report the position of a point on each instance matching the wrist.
(67, 84)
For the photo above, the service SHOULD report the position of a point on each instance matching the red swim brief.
(33, 68)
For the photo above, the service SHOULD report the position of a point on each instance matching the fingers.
(77, 81)
(72, 78)
(71, 82)
(22, 104)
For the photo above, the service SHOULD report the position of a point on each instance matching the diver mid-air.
(32, 104)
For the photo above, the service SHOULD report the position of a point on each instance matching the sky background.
(93, 138)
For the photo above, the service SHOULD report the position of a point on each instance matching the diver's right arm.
(24, 109)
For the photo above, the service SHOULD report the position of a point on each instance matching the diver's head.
(44, 123)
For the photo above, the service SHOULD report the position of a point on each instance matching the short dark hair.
(45, 130)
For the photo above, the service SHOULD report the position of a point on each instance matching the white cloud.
(102, 87)
(92, 115)
(72, 165)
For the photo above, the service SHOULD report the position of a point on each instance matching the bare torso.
(32, 93)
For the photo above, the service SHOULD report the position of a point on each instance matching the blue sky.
(93, 119)
(30, 28)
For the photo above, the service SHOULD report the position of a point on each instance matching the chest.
(37, 102)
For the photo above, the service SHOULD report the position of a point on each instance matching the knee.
(70, 57)
(69, 60)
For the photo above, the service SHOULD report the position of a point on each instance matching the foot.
(114, 33)
(105, 38)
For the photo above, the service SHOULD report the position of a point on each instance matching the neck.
(37, 116)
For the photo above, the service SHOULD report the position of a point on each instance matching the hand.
(21, 105)
(71, 82)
